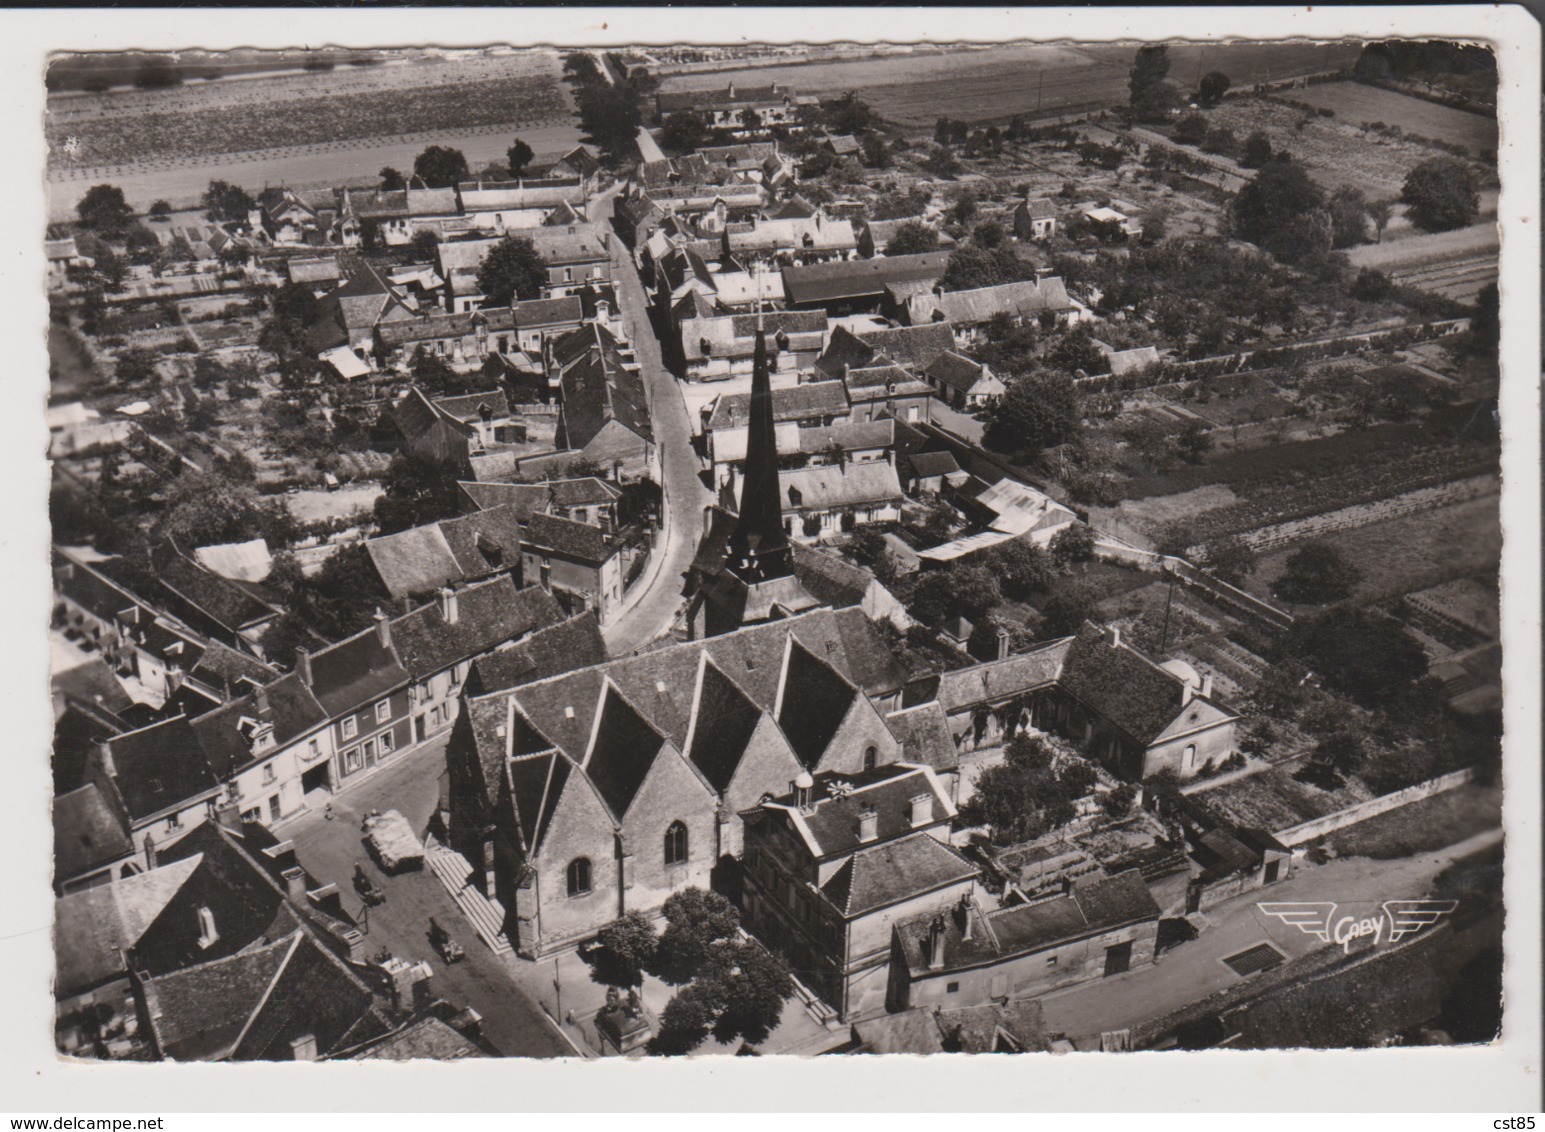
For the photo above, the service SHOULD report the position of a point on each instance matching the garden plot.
(348, 502)
(1274, 800)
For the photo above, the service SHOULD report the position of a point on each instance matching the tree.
(1317, 573)
(1191, 129)
(1283, 211)
(104, 209)
(1117, 803)
(683, 131)
(1221, 140)
(440, 167)
(1194, 441)
(739, 995)
(1040, 410)
(519, 156)
(160, 209)
(912, 238)
(1076, 351)
(956, 591)
(1072, 545)
(512, 270)
(136, 366)
(874, 152)
(971, 266)
(964, 209)
(206, 508)
(418, 490)
(1022, 566)
(225, 203)
(1257, 150)
(942, 163)
(1074, 603)
(989, 234)
(1371, 285)
(1214, 85)
(624, 950)
(695, 921)
(1024, 797)
(1348, 217)
(610, 115)
(896, 205)
(1379, 212)
(1231, 559)
(848, 115)
(1363, 653)
(1440, 195)
(392, 180)
(1150, 95)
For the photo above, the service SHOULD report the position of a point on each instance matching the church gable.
(862, 737)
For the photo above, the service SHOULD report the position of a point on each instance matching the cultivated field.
(1457, 264)
(993, 84)
(1365, 105)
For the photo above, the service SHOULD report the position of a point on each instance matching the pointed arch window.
(676, 844)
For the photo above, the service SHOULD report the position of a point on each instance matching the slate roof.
(846, 279)
(926, 465)
(1122, 684)
(894, 870)
(830, 825)
(292, 709)
(808, 401)
(598, 386)
(95, 927)
(726, 720)
(89, 832)
(579, 541)
(881, 382)
(159, 768)
(93, 683)
(832, 581)
(551, 651)
(354, 672)
(734, 336)
(581, 492)
(814, 701)
(625, 748)
(487, 614)
(530, 314)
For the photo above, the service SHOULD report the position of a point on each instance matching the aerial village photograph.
(774, 550)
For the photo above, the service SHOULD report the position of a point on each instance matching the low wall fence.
(1362, 811)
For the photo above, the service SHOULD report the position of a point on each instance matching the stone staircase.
(485, 915)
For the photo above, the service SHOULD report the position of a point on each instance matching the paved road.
(655, 607)
(1195, 970)
(329, 850)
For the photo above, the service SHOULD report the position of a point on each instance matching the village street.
(1194, 970)
(651, 608)
(329, 849)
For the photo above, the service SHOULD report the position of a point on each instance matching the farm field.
(1334, 151)
(1456, 264)
(998, 82)
(1405, 554)
(1362, 104)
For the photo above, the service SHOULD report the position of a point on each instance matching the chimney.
(1113, 635)
(151, 857)
(868, 824)
(303, 665)
(303, 1048)
(174, 677)
(936, 943)
(803, 789)
(295, 885)
(920, 810)
(208, 934)
(965, 916)
(1003, 642)
(603, 311)
(260, 693)
(1206, 692)
(228, 814)
(448, 608)
(731, 91)
(383, 628)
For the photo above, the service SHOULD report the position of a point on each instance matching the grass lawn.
(1422, 827)
(1410, 553)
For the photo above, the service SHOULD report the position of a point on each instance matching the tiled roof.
(196, 1014)
(470, 406)
(597, 386)
(998, 680)
(532, 313)
(914, 346)
(292, 709)
(668, 102)
(1038, 208)
(956, 371)
(808, 401)
(973, 307)
(473, 546)
(924, 735)
(828, 486)
(843, 279)
(435, 326)
(1121, 684)
(93, 683)
(487, 615)
(355, 672)
(586, 490)
(892, 871)
(427, 1039)
(160, 767)
(525, 498)
(95, 927)
(572, 539)
(734, 336)
(315, 996)
(552, 651)
(220, 599)
(926, 465)
(881, 382)
(88, 832)
(830, 580)
(812, 232)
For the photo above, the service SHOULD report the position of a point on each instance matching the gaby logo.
(1399, 919)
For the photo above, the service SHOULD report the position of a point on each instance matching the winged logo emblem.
(1409, 916)
(1400, 918)
(1310, 917)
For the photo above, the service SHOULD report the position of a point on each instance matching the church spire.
(759, 547)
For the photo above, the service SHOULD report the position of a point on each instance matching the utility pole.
(1168, 601)
(1040, 84)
